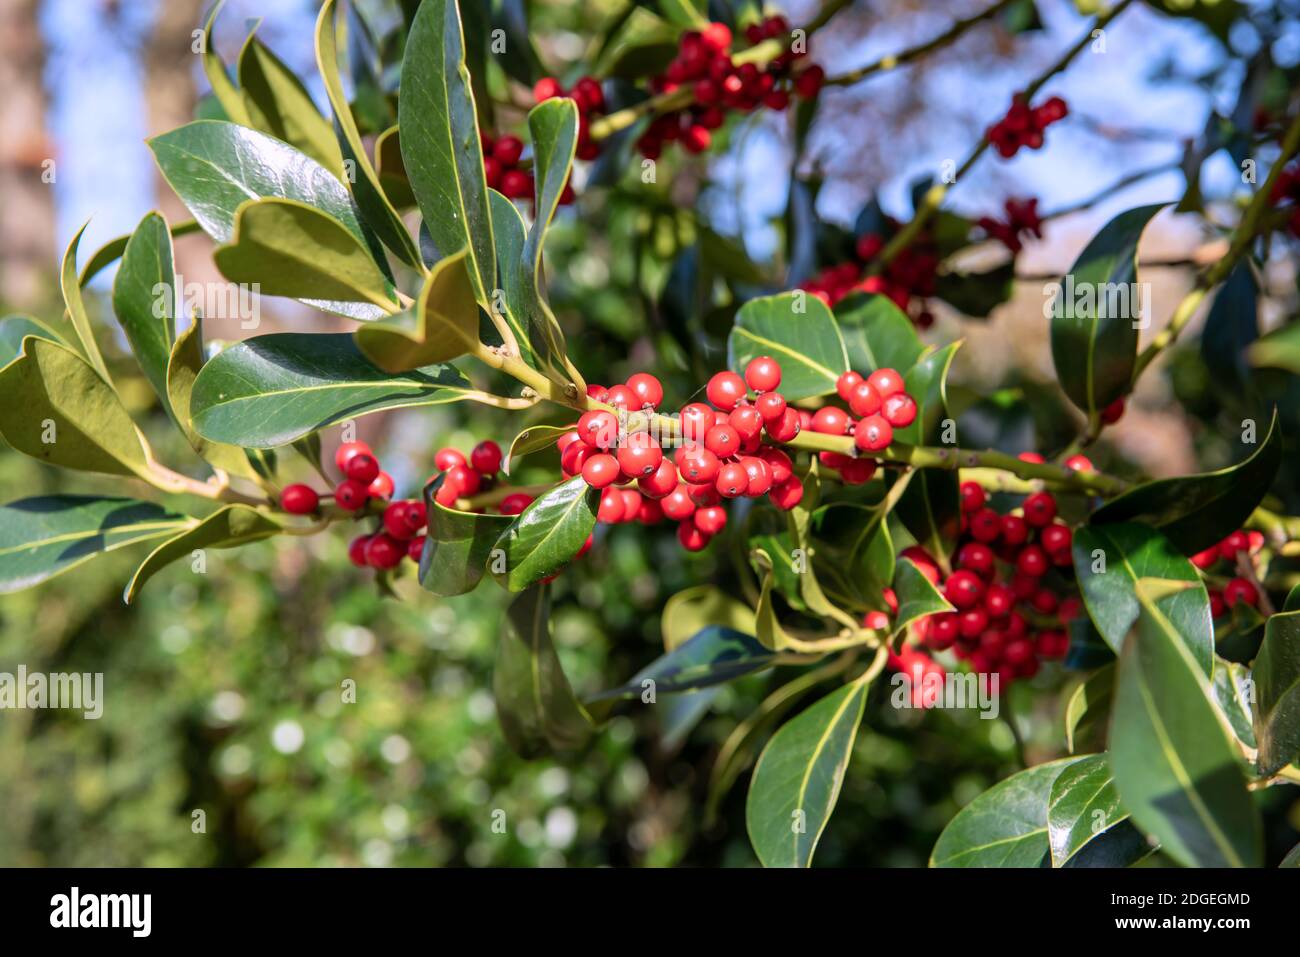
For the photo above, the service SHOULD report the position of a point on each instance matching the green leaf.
(55, 408)
(44, 536)
(391, 173)
(441, 149)
(182, 369)
(215, 167)
(977, 294)
(1095, 321)
(1086, 826)
(14, 329)
(288, 248)
(1087, 712)
(1130, 554)
(279, 104)
(1006, 826)
(112, 251)
(269, 390)
(1230, 328)
(535, 438)
(442, 326)
(702, 606)
(1292, 858)
(1174, 766)
(226, 93)
(458, 545)
(367, 185)
(689, 14)
(77, 309)
(547, 534)
(917, 595)
(512, 304)
(927, 383)
(798, 777)
(1280, 349)
(877, 334)
(930, 508)
(145, 286)
(535, 704)
(806, 341)
(712, 656)
(853, 553)
(1197, 511)
(1234, 690)
(1277, 691)
(228, 527)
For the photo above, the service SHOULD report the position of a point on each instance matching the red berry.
(299, 499)
(348, 449)
(972, 622)
(516, 184)
(787, 494)
(711, 520)
(486, 457)
(640, 455)
(362, 467)
(659, 482)
(1079, 463)
(845, 385)
(1113, 412)
(873, 434)
(763, 374)
(546, 88)
(985, 525)
(1015, 530)
(963, 589)
(747, 421)
(972, 497)
(691, 538)
(1240, 590)
(976, 557)
(351, 495)
(573, 457)
(698, 466)
(1218, 607)
(601, 470)
(1032, 561)
(722, 440)
(778, 464)
(1044, 601)
(886, 382)
(770, 405)
(357, 550)
(397, 523)
(758, 474)
(598, 428)
(384, 551)
(677, 504)
(382, 486)
(1055, 538)
(507, 150)
(725, 390)
(1032, 457)
(464, 480)
(864, 400)
(858, 471)
(717, 36)
(732, 480)
(899, 410)
(830, 420)
(1236, 542)
(999, 600)
(1040, 509)
(785, 428)
(647, 389)
(515, 503)
(415, 548)
(621, 397)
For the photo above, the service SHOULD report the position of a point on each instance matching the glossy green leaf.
(535, 438)
(799, 332)
(1174, 766)
(1087, 712)
(458, 545)
(877, 334)
(112, 251)
(55, 408)
(1277, 690)
(917, 595)
(144, 300)
(1197, 511)
(694, 609)
(182, 369)
(852, 553)
(1234, 690)
(930, 508)
(1095, 320)
(1006, 826)
(1086, 826)
(927, 383)
(44, 536)
(441, 149)
(367, 186)
(223, 88)
(712, 656)
(1230, 328)
(391, 172)
(71, 288)
(269, 390)
(798, 777)
(228, 527)
(1110, 560)
(547, 534)
(442, 326)
(1280, 349)
(288, 248)
(279, 104)
(977, 294)
(535, 704)
(767, 626)
(690, 14)
(14, 329)
(512, 304)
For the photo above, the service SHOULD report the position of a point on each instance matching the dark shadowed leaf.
(1277, 691)
(443, 324)
(144, 300)
(1086, 825)
(1087, 712)
(712, 656)
(547, 534)
(458, 545)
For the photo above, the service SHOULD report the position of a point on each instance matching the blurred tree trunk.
(27, 246)
(169, 89)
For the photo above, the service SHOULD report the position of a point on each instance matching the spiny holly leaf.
(55, 407)
(182, 369)
(1174, 766)
(1087, 713)
(1197, 511)
(1086, 825)
(535, 704)
(547, 534)
(279, 104)
(798, 331)
(1277, 690)
(442, 326)
(288, 248)
(1095, 319)
(798, 777)
(269, 390)
(458, 545)
(14, 329)
(1110, 560)
(441, 149)
(144, 300)
(43, 536)
(366, 184)
(712, 656)
(228, 527)
(1006, 826)
(877, 334)
(917, 595)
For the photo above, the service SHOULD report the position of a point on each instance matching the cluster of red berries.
(1024, 125)
(878, 404)
(1238, 589)
(1022, 217)
(717, 84)
(502, 171)
(1007, 619)
(589, 97)
(1286, 188)
(910, 274)
(462, 477)
(719, 452)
